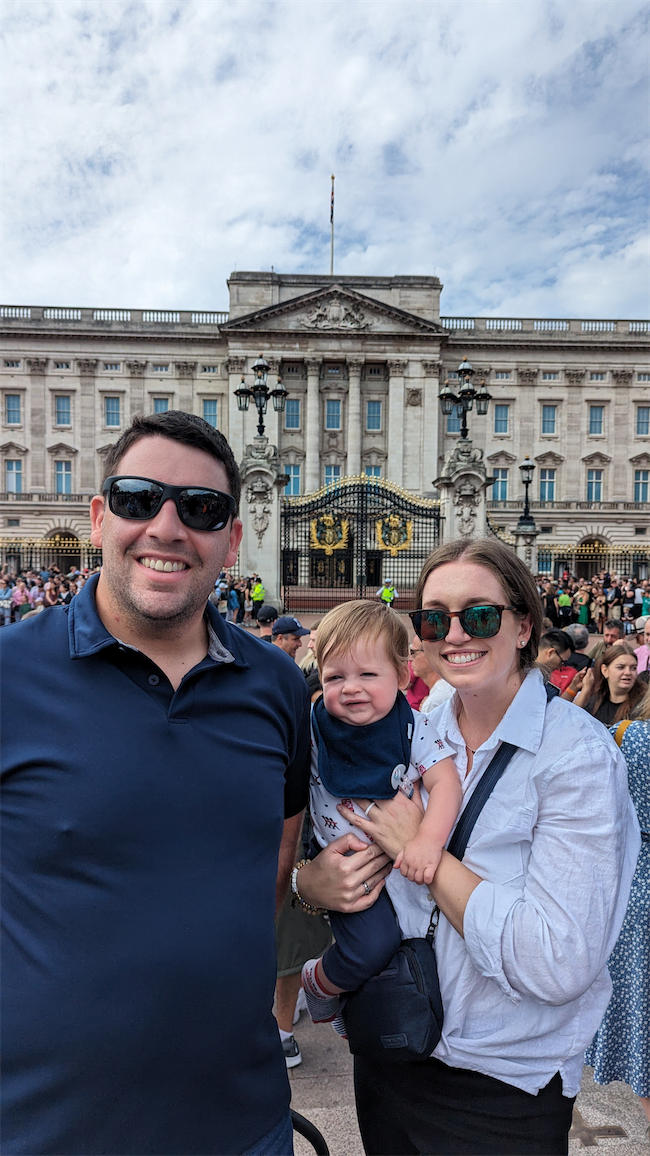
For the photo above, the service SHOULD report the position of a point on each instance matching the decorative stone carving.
(501, 458)
(12, 448)
(466, 500)
(236, 364)
(596, 459)
(335, 313)
(431, 368)
(260, 502)
(526, 376)
(574, 376)
(87, 367)
(61, 448)
(273, 364)
(260, 455)
(549, 459)
(642, 460)
(397, 368)
(39, 364)
(354, 364)
(413, 397)
(136, 368)
(313, 364)
(185, 368)
(622, 376)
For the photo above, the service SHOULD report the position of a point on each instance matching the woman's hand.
(339, 881)
(587, 688)
(391, 823)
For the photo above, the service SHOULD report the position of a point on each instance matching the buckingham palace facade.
(363, 360)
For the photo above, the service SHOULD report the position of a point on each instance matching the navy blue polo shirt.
(140, 834)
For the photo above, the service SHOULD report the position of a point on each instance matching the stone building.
(362, 359)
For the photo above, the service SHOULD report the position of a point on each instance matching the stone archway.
(592, 555)
(65, 550)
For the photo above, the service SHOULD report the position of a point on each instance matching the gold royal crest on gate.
(329, 533)
(394, 533)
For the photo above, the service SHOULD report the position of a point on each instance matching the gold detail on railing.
(394, 533)
(329, 533)
(362, 479)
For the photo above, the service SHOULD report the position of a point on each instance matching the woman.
(621, 1047)
(582, 601)
(529, 918)
(612, 692)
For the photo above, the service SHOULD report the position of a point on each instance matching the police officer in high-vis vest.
(387, 593)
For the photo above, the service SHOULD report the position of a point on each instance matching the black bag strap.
(486, 784)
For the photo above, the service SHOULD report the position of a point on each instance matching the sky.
(151, 147)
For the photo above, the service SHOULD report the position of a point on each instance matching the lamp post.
(526, 521)
(464, 400)
(260, 393)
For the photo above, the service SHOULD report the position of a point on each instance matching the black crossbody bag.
(397, 1016)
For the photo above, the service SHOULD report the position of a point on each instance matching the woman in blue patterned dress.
(621, 1046)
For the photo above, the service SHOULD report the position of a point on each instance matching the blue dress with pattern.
(621, 1047)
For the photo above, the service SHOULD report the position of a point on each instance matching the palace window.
(500, 487)
(501, 416)
(641, 484)
(332, 474)
(594, 485)
(373, 471)
(210, 411)
(547, 485)
(61, 364)
(375, 370)
(14, 476)
(596, 419)
(112, 411)
(62, 409)
(373, 415)
(12, 365)
(12, 408)
(596, 376)
(63, 477)
(209, 369)
(639, 376)
(643, 420)
(333, 413)
(112, 366)
(292, 413)
(292, 487)
(160, 404)
(502, 375)
(453, 421)
(160, 368)
(549, 416)
(550, 377)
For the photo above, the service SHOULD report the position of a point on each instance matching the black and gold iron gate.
(342, 542)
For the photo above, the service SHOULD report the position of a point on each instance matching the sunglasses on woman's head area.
(477, 621)
(139, 499)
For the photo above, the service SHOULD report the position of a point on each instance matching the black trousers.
(430, 1109)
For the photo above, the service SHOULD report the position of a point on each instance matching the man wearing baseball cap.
(265, 619)
(286, 633)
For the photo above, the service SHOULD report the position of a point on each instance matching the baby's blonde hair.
(342, 627)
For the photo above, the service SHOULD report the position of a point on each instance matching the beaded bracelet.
(297, 897)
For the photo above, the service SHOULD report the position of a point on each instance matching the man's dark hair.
(558, 639)
(615, 624)
(178, 426)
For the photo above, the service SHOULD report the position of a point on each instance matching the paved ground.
(607, 1118)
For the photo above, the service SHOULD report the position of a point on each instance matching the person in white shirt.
(530, 916)
(439, 690)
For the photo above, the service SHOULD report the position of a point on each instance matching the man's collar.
(87, 634)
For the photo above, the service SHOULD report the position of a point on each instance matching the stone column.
(86, 426)
(462, 484)
(312, 427)
(395, 465)
(526, 545)
(136, 393)
(37, 367)
(185, 371)
(354, 416)
(235, 431)
(262, 486)
(432, 444)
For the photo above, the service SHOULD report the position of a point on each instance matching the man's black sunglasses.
(477, 621)
(140, 499)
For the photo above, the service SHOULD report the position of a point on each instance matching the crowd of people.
(31, 591)
(591, 602)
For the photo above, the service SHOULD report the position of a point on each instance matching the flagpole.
(332, 230)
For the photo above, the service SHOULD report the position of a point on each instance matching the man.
(643, 652)
(439, 690)
(555, 648)
(161, 771)
(265, 618)
(258, 593)
(615, 599)
(287, 634)
(387, 593)
(580, 638)
(613, 631)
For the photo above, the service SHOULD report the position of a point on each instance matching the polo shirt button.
(153, 680)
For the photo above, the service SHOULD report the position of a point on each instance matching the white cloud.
(150, 148)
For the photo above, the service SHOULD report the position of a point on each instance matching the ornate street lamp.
(526, 520)
(464, 400)
(260, 393)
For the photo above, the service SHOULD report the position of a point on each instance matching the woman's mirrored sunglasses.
(140, 499)
(477, 621)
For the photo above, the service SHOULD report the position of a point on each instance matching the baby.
(367, 743)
